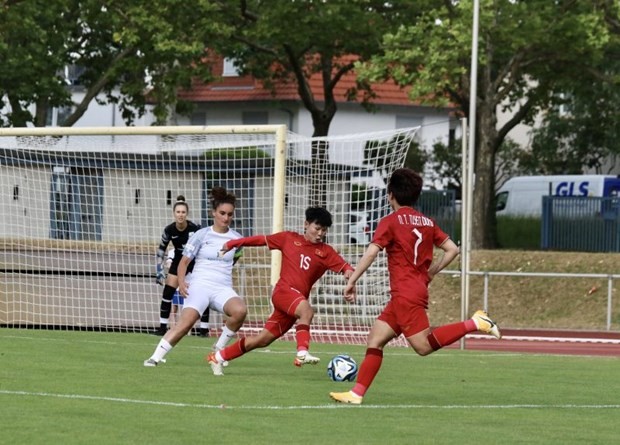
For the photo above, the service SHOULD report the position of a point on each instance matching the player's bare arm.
(181, 273)
(365, 262)
(450, 252)
(350, 298)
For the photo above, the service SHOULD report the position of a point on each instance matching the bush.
(520, 233)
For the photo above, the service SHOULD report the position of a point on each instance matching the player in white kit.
(211, 284)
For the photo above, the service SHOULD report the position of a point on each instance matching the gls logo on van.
(568, 189)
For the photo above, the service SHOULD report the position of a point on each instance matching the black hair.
(219, 196)
(405, 185)
(319, 215)
(180, 202)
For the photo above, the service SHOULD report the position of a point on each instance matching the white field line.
(297, 407)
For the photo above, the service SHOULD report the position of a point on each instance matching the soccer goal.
(83, 210)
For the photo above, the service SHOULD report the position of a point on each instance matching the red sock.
(302, 335)
(233, 351)
(368, 370)
(448, 334)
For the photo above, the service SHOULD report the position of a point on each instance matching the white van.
(522, 195)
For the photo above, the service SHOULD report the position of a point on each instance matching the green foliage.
(327, 37)
(127, 50)
(518, 233)
(579, 135)
(236, 153)
(446, 161)
(378, 153)
(523, 59)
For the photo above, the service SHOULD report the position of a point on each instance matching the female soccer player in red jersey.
(409, 238)
(305, 258)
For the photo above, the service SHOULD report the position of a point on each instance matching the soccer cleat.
(306, 359)
(485, 324)
(346, 397)
(216, 366)
(203, 332)
(160, 331)
(150, 363)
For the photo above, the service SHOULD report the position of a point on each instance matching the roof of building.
(247, 88)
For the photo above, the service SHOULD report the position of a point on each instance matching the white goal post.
(83, 210)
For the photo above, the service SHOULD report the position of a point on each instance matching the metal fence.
(582, 224)
(608, 277)
(439, 205)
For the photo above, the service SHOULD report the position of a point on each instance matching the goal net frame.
(336, 321)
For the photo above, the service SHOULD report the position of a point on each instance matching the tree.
(297, 40)
(583, 133)
(126, 51)
(446, 163)
(528, 51)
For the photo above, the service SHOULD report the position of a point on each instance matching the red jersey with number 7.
(409, 238)
(303, 262)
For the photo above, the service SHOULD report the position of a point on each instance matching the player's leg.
(235, 311)
(189, 316)
(447, 334)
(277, 325)
(194, 305)
(204, 324)
(304, 314)
(226, 301)
(217, 358)
(165, 306)
(380, 334)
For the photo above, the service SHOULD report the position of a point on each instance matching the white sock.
(219, 357)
(225, 337)
(163, 347)
(204, 325)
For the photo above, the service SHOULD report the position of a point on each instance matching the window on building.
(230, 70)
(198, 118)
(254, 118)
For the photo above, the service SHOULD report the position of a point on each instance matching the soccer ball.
(342, 368)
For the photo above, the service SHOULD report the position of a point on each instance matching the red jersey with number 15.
(409, 238)
(303, 262)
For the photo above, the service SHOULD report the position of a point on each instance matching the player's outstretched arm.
(257, 240)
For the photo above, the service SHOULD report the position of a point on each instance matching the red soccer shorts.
(405, 317)
(285, 301)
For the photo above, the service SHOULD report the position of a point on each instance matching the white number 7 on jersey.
(418, 241)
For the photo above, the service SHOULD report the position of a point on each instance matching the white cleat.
(305, 359)
(216, 366)
(150, 363)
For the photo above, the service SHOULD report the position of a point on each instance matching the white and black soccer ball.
(342, 368)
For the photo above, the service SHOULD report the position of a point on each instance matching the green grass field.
(91, 388)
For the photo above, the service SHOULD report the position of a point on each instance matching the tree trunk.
(483, 209)
(320, 159)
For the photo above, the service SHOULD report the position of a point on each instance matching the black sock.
(166, 303)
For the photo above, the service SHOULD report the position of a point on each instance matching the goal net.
(83, 211)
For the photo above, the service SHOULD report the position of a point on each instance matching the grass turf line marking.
(297, 407)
